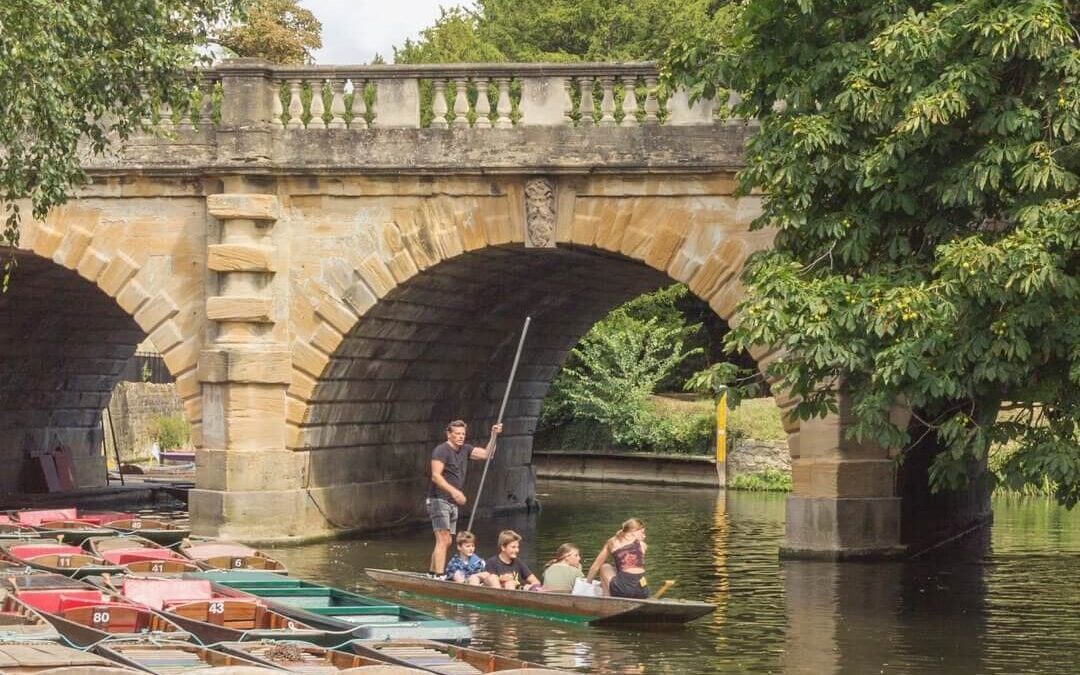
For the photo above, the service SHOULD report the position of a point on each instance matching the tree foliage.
(919, 164)
(279, 31)
(554, 31)
(74, 75)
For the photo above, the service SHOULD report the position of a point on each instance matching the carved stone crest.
(539, 213)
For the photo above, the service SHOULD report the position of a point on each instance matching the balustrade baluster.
(461, 102)
(185, 114)
(165, 116)
(438, 106)
(483, 105)
(296, 106)
(629, 104)
(337, 103)
(568, 101)
(503, 106)
(318, 108)
(206, 106)
(586, 104)
(607, 103)
(652, 105)
(276, 109)
(359, 105)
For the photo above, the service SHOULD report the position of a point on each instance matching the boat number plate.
(63, 561)
(100, 617)
(237, 562)
(157, 567)
(216, 608)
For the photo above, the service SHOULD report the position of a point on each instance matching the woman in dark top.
(506, 570)
(626, 579)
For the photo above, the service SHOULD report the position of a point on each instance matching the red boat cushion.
(5, 519)
(36, 517)
(33, 550)
(156, 593)
(101, 517)
(125, 556)
(217, 550)
(56, 600)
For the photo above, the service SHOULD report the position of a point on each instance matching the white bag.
(582, 587)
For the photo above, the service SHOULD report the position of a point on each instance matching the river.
(1007, 605)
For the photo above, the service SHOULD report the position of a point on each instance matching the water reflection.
(1010, 604)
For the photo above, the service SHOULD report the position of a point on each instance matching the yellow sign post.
(721, 438)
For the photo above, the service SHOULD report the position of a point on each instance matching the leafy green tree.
(279, 31)
(919, 164)
(74, 74)
(554, 30)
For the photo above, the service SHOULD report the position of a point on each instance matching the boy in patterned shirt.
(465, 567)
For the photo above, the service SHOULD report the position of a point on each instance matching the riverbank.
(766, 470)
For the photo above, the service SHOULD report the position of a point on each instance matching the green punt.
(336, 610)
(548, 605)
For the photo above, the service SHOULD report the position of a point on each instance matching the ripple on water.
(1014, 608)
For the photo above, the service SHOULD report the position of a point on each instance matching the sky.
(353, 31)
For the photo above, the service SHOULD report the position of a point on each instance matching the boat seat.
(125, 556)
(34, 550)
(36, 517)
(249, 562)
(156, 593)
(50, 600)
(229, 612)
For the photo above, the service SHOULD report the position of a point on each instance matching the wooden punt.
(9, 529)
(300, 657)
(85, 616)
(223, 555)
(140, 555)
(559, 606)
(213, 616)
(21, 623)
(63, 522)
(66, 559)
(169, 656)
(43, 657)
(157, 530)
(437, 657)
(338, 610)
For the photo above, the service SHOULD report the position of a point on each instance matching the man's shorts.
(443, 514)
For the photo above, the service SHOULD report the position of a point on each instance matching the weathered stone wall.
(135, 408)
(748, 457)
(62, 344)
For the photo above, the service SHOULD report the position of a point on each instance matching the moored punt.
(42, 657)
(9, 529)
(170, 656)
(436, 657)
(338, 610)
(300, 656)
(229, 556)
(214, 616)
(85, 616)
(63, 522)
(21, 623)
(139, 555)
(560, 606)
(58, 558)
(157, 530)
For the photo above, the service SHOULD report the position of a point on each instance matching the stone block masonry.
(328, 287)
(748, 457)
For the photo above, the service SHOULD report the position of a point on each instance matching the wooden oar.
(502, 410)
(663, 589)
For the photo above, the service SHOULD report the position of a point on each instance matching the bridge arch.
(81, 299)
(421, 327)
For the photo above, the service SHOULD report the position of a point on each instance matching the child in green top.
(563, 569)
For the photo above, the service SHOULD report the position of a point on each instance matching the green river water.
(1007, 605)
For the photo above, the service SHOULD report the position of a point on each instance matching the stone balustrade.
(477, 96)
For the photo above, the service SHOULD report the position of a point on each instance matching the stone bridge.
(332, 274)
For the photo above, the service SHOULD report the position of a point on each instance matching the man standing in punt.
(449, 463)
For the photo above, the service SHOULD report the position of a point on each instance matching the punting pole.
(502, 410)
